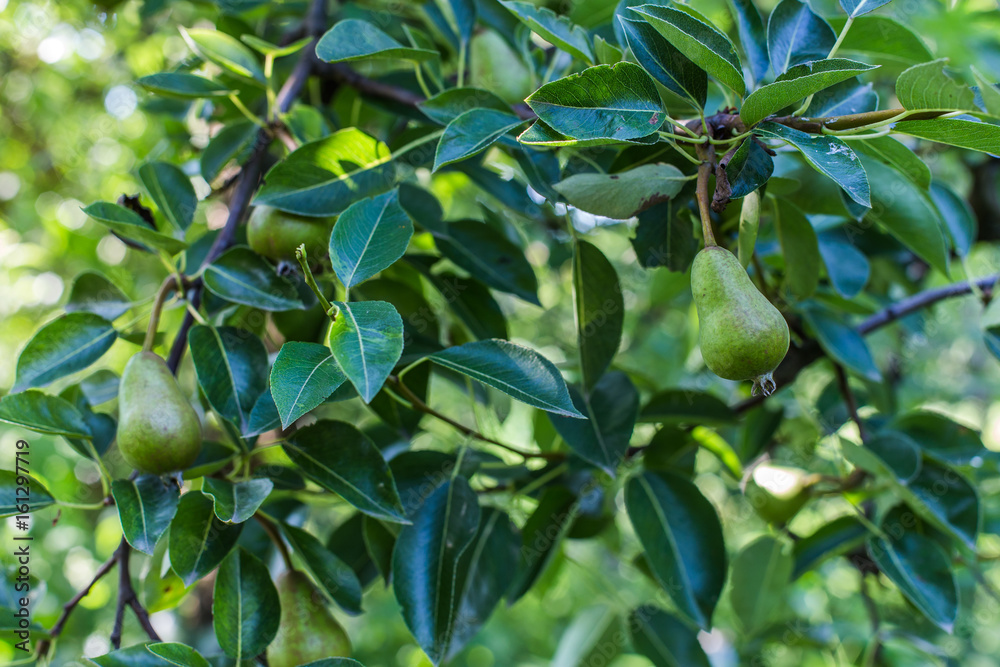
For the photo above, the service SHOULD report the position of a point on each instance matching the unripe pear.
(158, 430)
(777, 493)
(495, 66)
(742, 336)
(276, 234)
(308, 631)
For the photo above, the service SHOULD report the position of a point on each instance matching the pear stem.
(154, 316)
(704, 169)
(272, 532)
(307, 274)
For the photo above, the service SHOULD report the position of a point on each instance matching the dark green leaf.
(624, 194)
(302, 377)
(606, 102)
(471, 133)
(334, 576)
(845, 98)
(244, 605)
(555, 29)
(761, 573)
(517, 371)
(540, 134)
(974, 135)
(130, 225)
(133, 656)
(958, 217)
(491, 257)
(682, 540)
(951, 500)
(858, 7)
(473, 303)
(664, 639)
(242, 276)
(750, 168)
(944, 438)
(172, 191)
(837, 537)
(611, 407)
(62, 347)
(665, 237)
(799, 247)
(264, 416)
(796, 34)
(542, 537)
(236, 502)
(232, 142)
(93, 293)
(180, 84)
(898, 156)
(753, 36)
(40, 412)
(600, 311)
(231, 365)
(353, 468)
(223, 50)
(841, 342)
(686, 406)
(453, 102)
(379, 542)
(367, 341)
(12, 502)
(178, 654)
(354, 39)
(198, 540)
(884, 38)
(369, 237)
(145, 507)
(665, 63)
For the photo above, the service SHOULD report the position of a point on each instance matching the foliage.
(479, 421)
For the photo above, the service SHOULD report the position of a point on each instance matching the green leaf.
(324, 177)
(243, 606)
(611, 408)
(542, 537)
(958, 217)
(242, 276)
(606, 102)
(146, 506)
(753, 36)
(102, 426)
(62, 347)
(606, 52)
(841, 342)
(369, 237)
(172, 191)
(665, 237)
(233, 142)
(682, 539)
(354, 39)
(988, 91)
(198, 540)
(453, 102)
(826, 154)
(750, 168)
(859, 7)
(700, 41)
(798, 83)
(42, 413)
(236, 502)
(354, 469)
(623, 194)
(93, 293)
(796, 34)
(12, 502)
(761, 574)
(687, 406)
(837, 537)
(799, 247)
(264, 416)
(231, 365)
(185, 86)
(134, 656)
(974, 135)
(334, 576)
(845, 98)
(600, 311)
(471, 133)
(922, 571)
(555, 29)
(948, 499)
(302, 377)
(540, 134)
(178, 654)
(473, 303)
(940, 436)
(907, 213)
(427, 561)
(517, 371)
(130, 225)
(884, 38)
(665, 63)
(888, 455)
(664, 639)
(266, 48)
(927, 86)
(223, 50)
(589, 638)
(491, 257)
(898, 156)
(367, 341)
(379, 542)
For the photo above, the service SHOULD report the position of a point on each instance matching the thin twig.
(849, 401)
(128, 598)
(107, 566)
(272, 532)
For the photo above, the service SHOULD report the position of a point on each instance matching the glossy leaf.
(146, 506)
(426, 565)
(93, 293)
(236, 502)
(799, 247)
(970, 134)
(682, 539)
(62, 347)
(750, 168)
(490, 257)
(837, 537)
(172, 191)
(354, 39)
(617, 102)
(898, 156)
(796, 84)
(231, 365)
(541, 134)
(686, 406)
(12, 501)
(344, 460)
(753, 36)
(130, 225)
(761, 573)
(665, 237)
(542, 537)
(611, 408)
(516, 370)
(302, 377)
(242, 276)
(859, 7)
(231, 143)
(369, 237)
(927, 86)
(958, 217)
(453, 102)
(841, 342)
(198, 540)
(183, 85)
(42, 413)
(264, 416)
(624, 194)
(223, 50)
(471, 133)
(950, 500)
(558, 30)
(940, 436)
(882, 38)
(474, 304)
(664, 62)
(600, 311)
(922, 571)
(243, 606)
(842, 99)
(847, 267)
(134, 656)
(178, 654)
(664, 639)
(366, 340)
(700, 41)
(324, 177)
(332, 574)
(796, 34)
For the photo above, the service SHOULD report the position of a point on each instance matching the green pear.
(742, 336)
(495, 66)
(777, 493)
(276, 234)
(158, 430)
(308, 631)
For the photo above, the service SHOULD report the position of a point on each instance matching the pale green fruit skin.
(308, 630)
(276, 234)
(495, 66)
(158, 430)
(742, 336)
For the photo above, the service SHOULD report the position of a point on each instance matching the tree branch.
(45, 644)
(127, 597)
